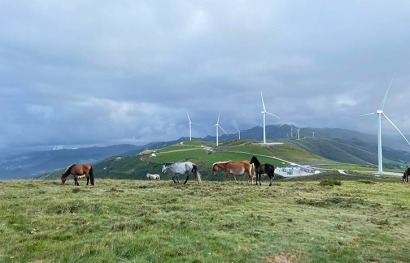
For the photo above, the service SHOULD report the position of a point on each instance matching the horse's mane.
(68, 169)
(215, 163)
(255, 160)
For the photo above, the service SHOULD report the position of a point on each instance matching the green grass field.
(355, 219)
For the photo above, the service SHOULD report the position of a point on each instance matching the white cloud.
(100, 71)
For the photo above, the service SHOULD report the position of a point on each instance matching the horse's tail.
(197, 174)
(272, 170)
(91, 175)
(253, 170)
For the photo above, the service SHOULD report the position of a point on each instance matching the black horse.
(406, 175)
(260, 169)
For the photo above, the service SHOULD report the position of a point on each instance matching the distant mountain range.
(339, 145)
(31, 164)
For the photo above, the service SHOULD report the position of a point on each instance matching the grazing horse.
(153, 176)
(182, 168)
(406, 175)
(260, 169)
(235, 168)
(79, 171)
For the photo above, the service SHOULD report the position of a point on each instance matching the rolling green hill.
(326, 146)
(306, 151)
(136, 167)
(353, 152)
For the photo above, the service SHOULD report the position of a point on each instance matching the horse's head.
(255, 160)
(63, 178)
(165, 167)
(215, 168)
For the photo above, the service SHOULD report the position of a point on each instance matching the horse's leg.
(173, 178)
(88, 178)
(187, 177)
(76, 180)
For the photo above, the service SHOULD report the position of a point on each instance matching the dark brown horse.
(406, 175)
(260, 169)
(78, 171)
(235, 168)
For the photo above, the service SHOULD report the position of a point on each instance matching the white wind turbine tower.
(264, 112)
(291, 131)
(239, 133)
(190, 126)
(379, 134)
(217, 130)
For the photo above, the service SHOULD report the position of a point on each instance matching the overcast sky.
(103, 72)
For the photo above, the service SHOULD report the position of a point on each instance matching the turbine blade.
(272, 114)
(362, 115)
(263, 103)
(223, 130)
(385, 95)
(219, 115)
(188, 117)
(396, 128)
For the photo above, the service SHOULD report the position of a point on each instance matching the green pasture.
(358, 219)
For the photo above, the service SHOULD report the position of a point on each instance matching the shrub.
(330, 182)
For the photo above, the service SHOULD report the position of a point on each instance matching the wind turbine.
(239, 133)
(217, 130)
(291, 131)
(379, 134)
(190, 126)
(264, 112)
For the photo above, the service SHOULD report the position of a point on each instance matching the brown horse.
(78, 171)
(406, 175)
(235, 168)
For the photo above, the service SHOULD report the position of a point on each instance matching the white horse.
(153, 176)
(182, 168)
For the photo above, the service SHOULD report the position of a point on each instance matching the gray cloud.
(99, 72)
